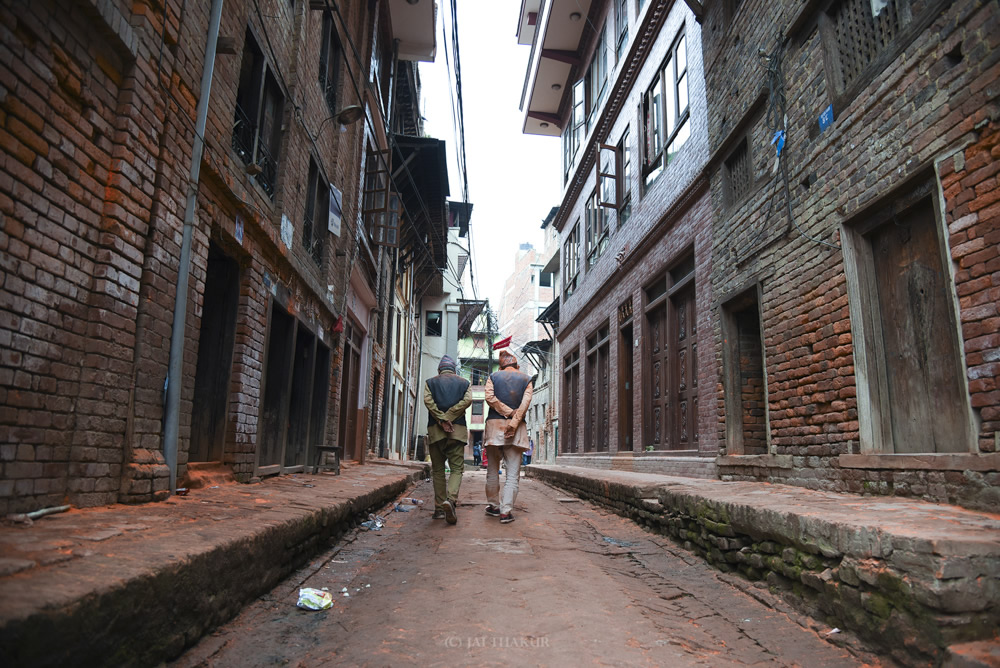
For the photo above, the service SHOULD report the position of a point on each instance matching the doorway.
(216, 340)
(350, 383)
(912, 396)
(625, 390)
(274, 415)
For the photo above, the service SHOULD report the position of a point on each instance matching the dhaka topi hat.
(506, 359)
(447, 364)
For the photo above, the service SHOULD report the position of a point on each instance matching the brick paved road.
(565, 584)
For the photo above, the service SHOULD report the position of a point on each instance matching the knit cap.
(447, 364)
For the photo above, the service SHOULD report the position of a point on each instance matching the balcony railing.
(268, 170)
(243, 134)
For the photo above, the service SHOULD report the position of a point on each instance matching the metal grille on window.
(864, 28)
(738, 169)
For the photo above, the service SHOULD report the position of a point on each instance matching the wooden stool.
(323, 449)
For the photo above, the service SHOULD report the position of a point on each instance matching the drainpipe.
(171, 411)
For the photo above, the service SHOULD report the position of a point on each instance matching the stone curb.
(910, 577)
(147, 605)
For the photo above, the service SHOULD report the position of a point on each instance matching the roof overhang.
(413, 25)
(550, 316)
(420, 169)
(555, 52)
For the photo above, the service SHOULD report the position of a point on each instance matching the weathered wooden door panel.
(625, 391)
(925, 403)
(656, 433)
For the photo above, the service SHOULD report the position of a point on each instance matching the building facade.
(621, 84)
(282, 215)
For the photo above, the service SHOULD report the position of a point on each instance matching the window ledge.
(770, 461)
(932, 461)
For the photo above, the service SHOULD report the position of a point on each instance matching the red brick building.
(286, 303)
(621, 83)
(858, 279)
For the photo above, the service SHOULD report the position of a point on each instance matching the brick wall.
(931, 113)
(97, 137)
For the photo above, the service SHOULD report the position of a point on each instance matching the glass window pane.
(682, 94)
(681, 55)
(671, 109)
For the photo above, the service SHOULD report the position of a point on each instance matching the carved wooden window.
(861, 38)
(738, 174)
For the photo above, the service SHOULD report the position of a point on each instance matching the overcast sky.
(513, 177)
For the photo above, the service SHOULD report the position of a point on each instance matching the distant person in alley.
(508, 393)
(446, 396)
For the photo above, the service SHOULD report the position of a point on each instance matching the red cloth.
(502, 343)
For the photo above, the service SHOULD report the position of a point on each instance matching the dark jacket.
(447, 389)
(508, 386)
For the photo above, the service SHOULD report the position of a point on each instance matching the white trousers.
(512, 462)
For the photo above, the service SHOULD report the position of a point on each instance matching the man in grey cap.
(446, 396)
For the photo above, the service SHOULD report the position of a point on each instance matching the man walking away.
(508, 393)
(446, 396)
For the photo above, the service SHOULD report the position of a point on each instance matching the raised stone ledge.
(911, 577)
(932, 462)
(757, 461)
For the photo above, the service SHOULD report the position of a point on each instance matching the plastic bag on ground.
(314, 599)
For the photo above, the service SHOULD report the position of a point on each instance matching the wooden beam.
(545, 118)
(570, 57)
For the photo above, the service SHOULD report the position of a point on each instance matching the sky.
(513, 177)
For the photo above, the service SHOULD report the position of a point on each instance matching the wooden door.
(604, 396)
(658, 402)
(684, 374)
(925, 402)
(625, 390)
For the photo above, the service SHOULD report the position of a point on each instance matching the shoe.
(506, 518)
(449, 512)
(438, 515)
(492, 511)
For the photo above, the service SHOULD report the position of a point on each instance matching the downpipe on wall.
(171, 411)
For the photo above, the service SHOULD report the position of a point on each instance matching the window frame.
(596, 223)
(666, 124)
(427, 323)
(260, 104)
(733, 195)
(317, 203)
(621, 28)
(571, 259)
(329, 63)
(842, 94)
(597, 78)
(625, 180)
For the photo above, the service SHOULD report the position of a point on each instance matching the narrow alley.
(566, 584)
